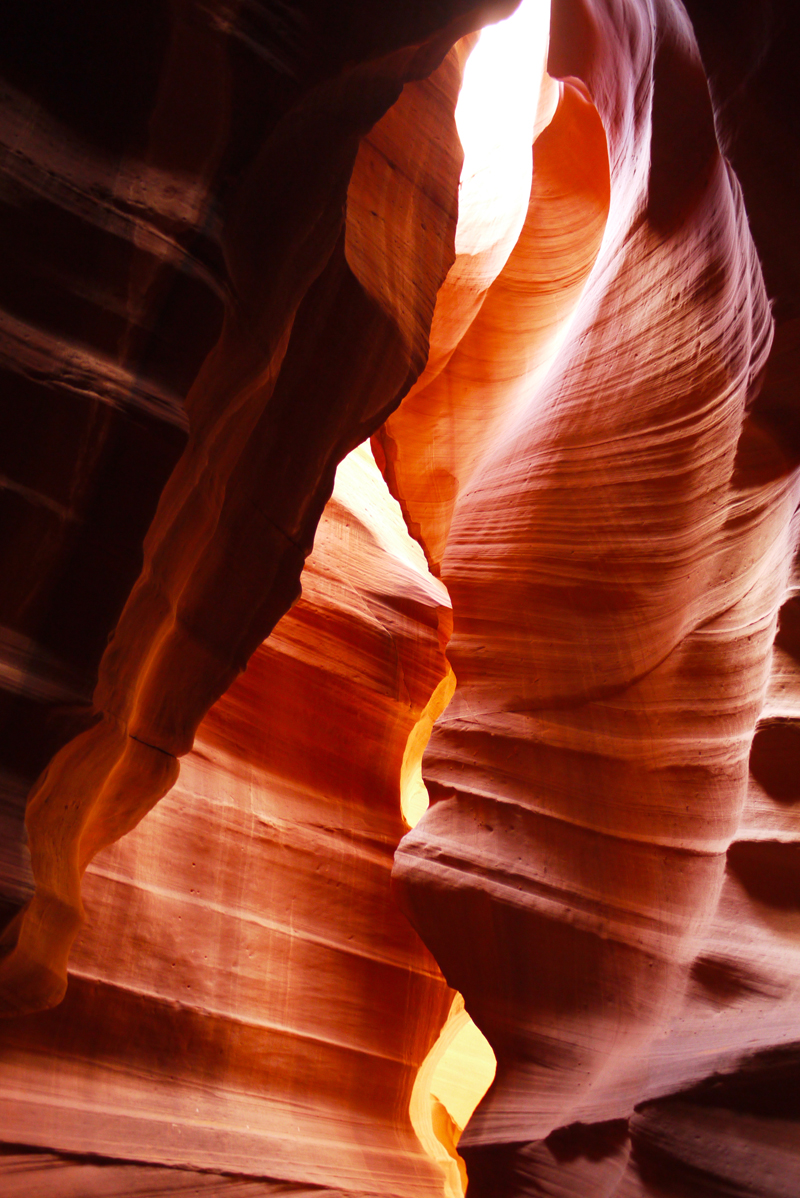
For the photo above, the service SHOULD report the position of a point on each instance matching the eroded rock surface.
(246, 996)
(617, 540)
(305, 338)
(218, 280)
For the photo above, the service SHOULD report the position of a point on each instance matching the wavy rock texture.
(247, 997)
(229, 250)
(614, 523)
(223, 228)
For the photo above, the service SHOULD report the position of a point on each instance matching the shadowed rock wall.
(234, 152)
(221, 274)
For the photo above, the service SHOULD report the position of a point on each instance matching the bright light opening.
(501, 106)
(452, 1080)
(495, 118)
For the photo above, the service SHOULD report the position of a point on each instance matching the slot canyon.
(400, 604)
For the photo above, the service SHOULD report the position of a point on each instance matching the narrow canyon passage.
(339, 794)
(616, 570)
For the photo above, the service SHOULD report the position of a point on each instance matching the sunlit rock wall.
(220, 274)
(203, 270)
(308, 335)
(596, 875)
(247, 997)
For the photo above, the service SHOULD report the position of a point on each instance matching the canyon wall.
(309, 334)
(246, 996)
(617, 541)
(234, 239)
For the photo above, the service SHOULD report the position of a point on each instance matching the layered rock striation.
(616, 533)
(303, 336)
(234, 239)
(246, 996)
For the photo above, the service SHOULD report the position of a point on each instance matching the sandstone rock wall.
(307, 339)
(246, 996)
(592, 824)
(230, 249)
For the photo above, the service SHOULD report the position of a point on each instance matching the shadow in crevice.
(788, 635)
(722, 981)
(769, 870)
(765, 1084)
(580, 1158)
(769, 443)
(775, 759)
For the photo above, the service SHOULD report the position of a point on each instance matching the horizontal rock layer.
(246, 996)
(616, 535)
(218, 281)
(303, 338)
